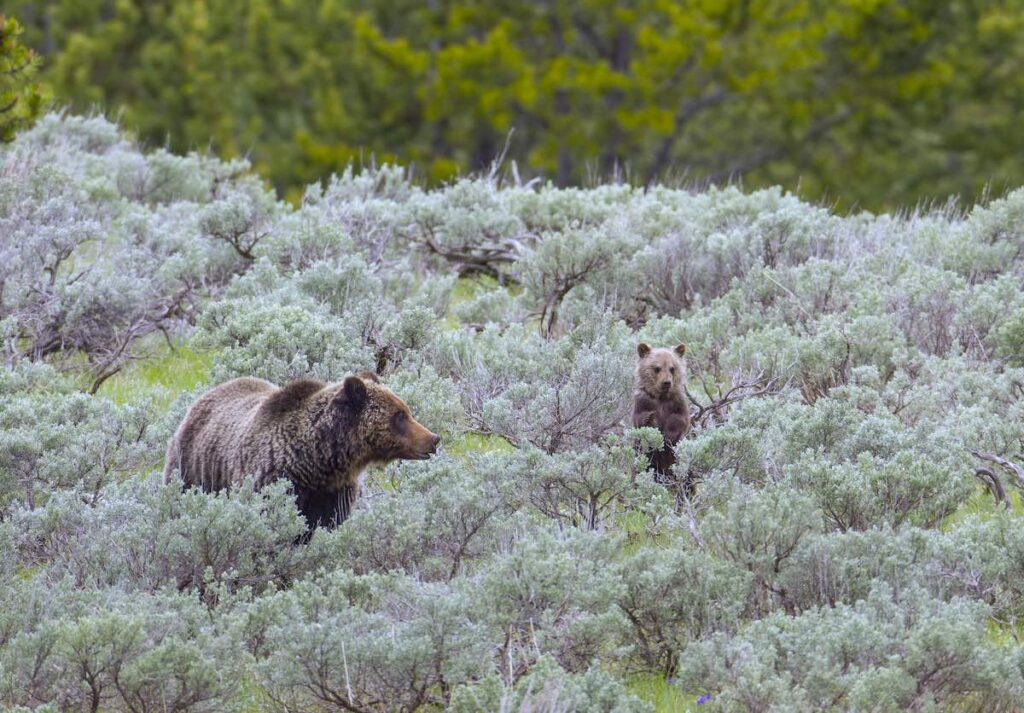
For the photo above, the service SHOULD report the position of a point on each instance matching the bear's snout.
(429, 446)
(423, 443)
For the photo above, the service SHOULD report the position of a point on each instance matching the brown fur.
(319, 436)
(660, 401)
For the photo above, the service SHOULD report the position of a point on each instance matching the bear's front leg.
(323, 508)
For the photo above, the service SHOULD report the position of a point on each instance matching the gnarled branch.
(714, 411)
(991, 479)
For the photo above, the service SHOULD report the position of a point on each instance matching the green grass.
(665, 697)
(164, 376)
(467, 443)
(981, 504)
(466, 288)
(1004, 634)
(388, 478)
(636, 526)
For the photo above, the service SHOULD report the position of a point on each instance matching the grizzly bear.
(660, 401)
(319, 436)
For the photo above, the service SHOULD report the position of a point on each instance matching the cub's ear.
(352, 393)
(368, 376)
(643, 350)
(680, 349)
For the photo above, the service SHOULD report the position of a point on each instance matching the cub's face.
(661, 372)
(384, 424)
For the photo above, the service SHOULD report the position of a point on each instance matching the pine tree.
(21, 100)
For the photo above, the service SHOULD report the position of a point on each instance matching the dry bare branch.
(1012, 468)
(714, 413)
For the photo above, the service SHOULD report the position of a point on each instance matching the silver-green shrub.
(891, 651)
(852, 539)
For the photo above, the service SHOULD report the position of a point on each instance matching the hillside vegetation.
(854, 541)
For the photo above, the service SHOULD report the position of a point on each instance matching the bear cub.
(660, 401)
(318, 436)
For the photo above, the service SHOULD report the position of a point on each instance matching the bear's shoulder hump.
(292, 395)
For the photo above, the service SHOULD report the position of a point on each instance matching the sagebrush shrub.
(856, 388)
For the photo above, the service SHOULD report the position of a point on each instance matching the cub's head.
(661, 372)
(377, 425)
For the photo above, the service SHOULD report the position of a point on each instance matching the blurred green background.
(862, 103)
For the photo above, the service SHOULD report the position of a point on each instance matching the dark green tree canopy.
(874, 103)
(20, 99)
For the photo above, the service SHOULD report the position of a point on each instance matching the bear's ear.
(643, 350)
(368, 376)
(352, 393)
(680, 349)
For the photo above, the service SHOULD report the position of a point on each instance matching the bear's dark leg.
(662, 462)
(324, 509)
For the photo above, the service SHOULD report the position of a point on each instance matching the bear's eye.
(672, 369)
(398, 421)
(657, 370)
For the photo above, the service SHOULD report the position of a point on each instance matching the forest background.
(862, 103)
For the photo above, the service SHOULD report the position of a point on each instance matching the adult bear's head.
(368, 417)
